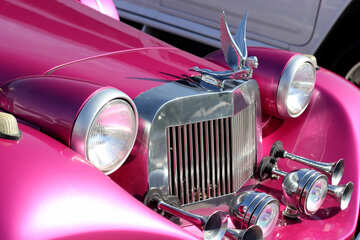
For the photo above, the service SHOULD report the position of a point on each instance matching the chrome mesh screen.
(211, 158)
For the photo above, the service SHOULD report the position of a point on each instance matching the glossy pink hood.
(39, 35)
(136, 70)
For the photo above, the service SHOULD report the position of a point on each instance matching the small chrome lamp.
(255, 208)
(304, 190)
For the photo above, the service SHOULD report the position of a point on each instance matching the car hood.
(134, 70)
(66, 38)
(37, 36)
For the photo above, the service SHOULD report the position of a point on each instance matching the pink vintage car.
(108, 133)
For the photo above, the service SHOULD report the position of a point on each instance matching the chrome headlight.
(304, 190)
(255, 208)
(296, 86)
(105, 129)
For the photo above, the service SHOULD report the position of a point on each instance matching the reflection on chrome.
(342, 193)
(335, 169)
(255, 208)
(214, 226)
(252, 233)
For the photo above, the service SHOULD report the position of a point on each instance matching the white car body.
(299, 26)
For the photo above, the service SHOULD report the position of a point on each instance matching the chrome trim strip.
(186, 163)
(88, 114)
(180, 152)
(223, 162)
(175, 104)
(203, 175)
(228, 151)
(191, 163)
(169, 138)
(217, 158)
(175, 165)
(212, 157)
(207, 156)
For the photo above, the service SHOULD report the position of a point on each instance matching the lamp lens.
(300, 89)
(316, 195)
(268, 218)
(111, 136)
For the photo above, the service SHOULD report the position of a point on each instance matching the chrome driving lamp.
(251, 208)
(304, 189)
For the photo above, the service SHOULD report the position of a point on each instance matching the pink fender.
(52, 103)
(50, 192)
(106, 7)
(328, 130)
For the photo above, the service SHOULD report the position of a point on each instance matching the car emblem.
(235, 53)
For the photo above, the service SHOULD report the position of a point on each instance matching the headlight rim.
(259, 210)
(88, 114)
(286, 79)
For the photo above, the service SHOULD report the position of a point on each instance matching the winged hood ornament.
(235, 53)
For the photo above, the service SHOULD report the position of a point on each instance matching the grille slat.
(191, 163)
(207, 164)
(212, 166)
(196, 160)
(217, 157)
(223, 158)
(201, 153)
(174, 163)
(186, 164)
(211, 158)
(169, 143)
(180, 165)
(229, 175)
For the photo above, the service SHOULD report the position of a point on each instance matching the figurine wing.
(240, 37)
(234, 51)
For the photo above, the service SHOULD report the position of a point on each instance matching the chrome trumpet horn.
(254, 232)
(304, 189)
(342, 193)
(335, 169)
(214, 226)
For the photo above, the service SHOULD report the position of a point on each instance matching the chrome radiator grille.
(211, 158)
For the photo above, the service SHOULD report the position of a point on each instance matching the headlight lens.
(296, 86)
(316, 195)
(105, 129)
(111, 135)
(268, 218)
(255, 208)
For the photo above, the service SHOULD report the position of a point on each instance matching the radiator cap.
(9, 128)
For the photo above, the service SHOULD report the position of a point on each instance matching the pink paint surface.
(328, 130)
(50, 192)
(134, 71)
(48, 102)
(39, 35)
